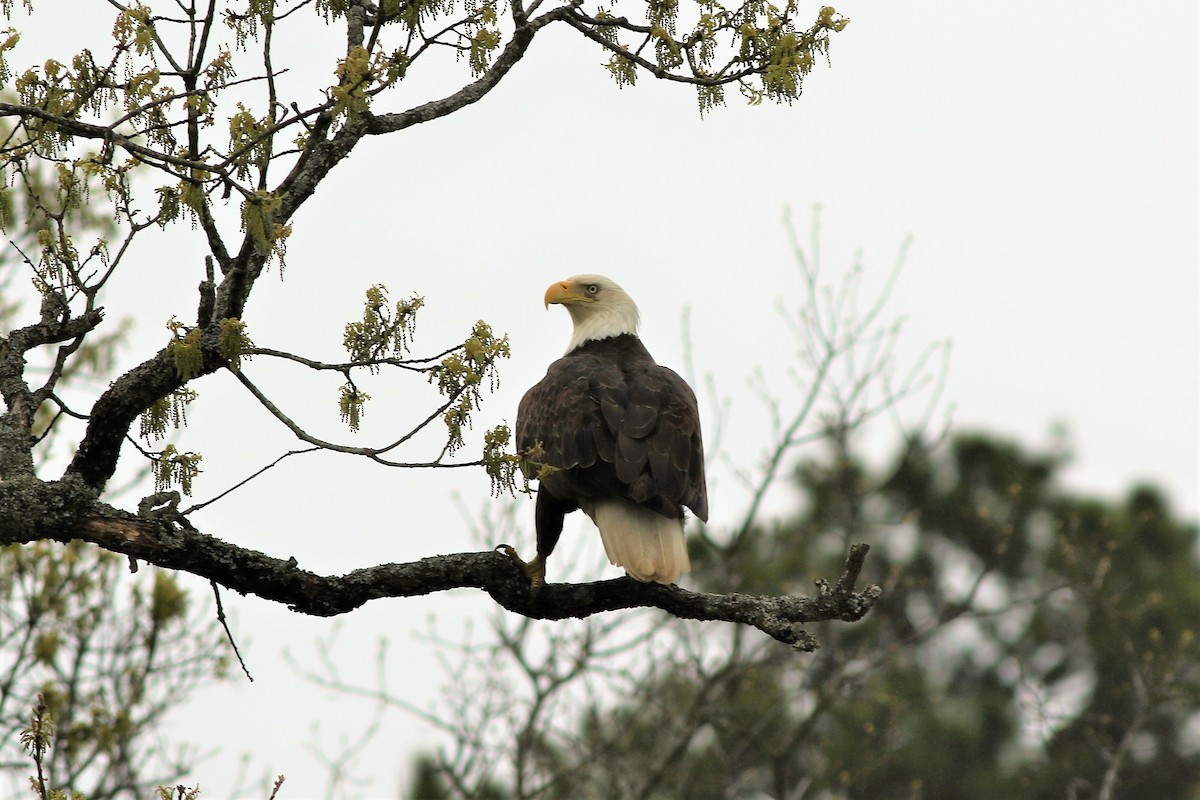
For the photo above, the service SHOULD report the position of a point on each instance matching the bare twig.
(228, 633)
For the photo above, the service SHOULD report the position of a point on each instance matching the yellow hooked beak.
(564, 292)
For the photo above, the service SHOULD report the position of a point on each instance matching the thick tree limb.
(115, 411)
(475, 91)
(168, 540)
(13, 388)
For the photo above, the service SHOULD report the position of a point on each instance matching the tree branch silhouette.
(164, 538)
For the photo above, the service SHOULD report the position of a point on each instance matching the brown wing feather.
(616, 423)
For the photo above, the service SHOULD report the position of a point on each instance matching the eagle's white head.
(599, 308)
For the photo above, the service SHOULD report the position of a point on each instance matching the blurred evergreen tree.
(1029, 643)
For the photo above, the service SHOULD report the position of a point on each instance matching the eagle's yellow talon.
(535, 569)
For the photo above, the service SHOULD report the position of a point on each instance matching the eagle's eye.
(592, 288)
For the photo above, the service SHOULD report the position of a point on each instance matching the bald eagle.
(620, 434)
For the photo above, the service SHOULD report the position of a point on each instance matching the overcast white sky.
(1042, 155)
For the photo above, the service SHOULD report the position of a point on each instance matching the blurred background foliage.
(1029, 643)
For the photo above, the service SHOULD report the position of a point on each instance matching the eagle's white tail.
(648, 545)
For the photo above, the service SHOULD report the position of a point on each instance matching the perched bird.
(611, 432)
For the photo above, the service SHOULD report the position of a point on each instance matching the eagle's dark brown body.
(617, 427)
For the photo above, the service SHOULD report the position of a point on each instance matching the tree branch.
(476, 90)
(114, 412)
(584, 24)
(54, 331)
(86, 130)
(166, 539)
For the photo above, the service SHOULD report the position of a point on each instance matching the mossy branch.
(162, 541)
